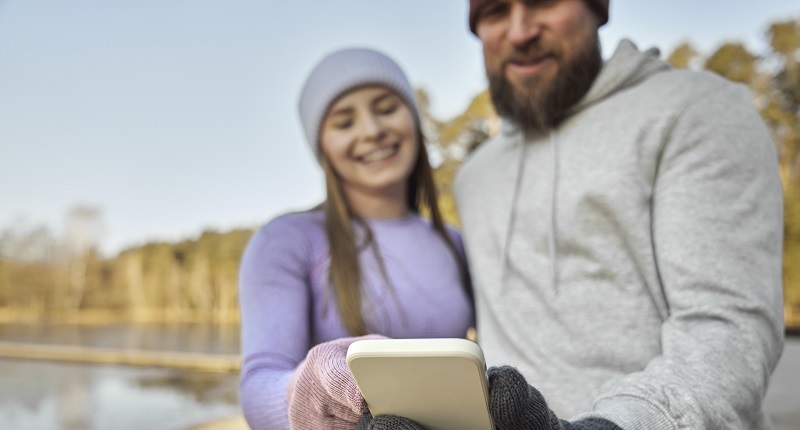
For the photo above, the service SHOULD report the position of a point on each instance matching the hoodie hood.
(627, 67)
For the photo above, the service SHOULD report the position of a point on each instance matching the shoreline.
(232, 423)
(112, 316)
(218, 363)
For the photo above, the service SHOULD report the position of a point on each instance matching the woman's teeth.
(379, 154)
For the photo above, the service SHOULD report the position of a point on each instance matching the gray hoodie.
(629, 262)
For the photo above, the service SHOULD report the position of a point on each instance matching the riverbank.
(113, 316)
(233, 423)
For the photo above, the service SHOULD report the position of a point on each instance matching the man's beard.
(542, 107)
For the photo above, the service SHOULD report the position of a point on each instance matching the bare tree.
(26, 265)
(82, 234)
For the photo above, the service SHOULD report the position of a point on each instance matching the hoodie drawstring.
(513, 212)
(551, 235)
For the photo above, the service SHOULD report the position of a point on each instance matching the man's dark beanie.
(600, 7)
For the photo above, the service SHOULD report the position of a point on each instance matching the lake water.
(43, 396)
(37, 395)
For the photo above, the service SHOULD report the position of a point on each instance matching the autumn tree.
(782, 113)
(734, 62)
(683, 56)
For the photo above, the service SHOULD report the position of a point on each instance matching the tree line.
(42, 276)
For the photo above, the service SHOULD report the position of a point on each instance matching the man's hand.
(322, 393)
(386, 422)
(515, 405)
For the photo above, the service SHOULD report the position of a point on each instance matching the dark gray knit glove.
(386, 422)
(515, 405)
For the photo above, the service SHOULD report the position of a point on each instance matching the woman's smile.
(379, 154)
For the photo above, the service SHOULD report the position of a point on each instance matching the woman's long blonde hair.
(344, 276)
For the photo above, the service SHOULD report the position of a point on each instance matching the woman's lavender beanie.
(340, 72)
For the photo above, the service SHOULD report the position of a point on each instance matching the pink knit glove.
(322, 393)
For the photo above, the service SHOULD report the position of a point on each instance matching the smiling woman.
(363, 262)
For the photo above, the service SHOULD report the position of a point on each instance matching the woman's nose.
(372, 128)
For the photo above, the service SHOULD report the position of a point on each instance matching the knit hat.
(340, 72)
(600, 7)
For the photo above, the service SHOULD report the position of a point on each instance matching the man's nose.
(524, 24)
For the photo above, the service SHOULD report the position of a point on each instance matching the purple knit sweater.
(286, 308)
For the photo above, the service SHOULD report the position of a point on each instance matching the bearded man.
(624, 232)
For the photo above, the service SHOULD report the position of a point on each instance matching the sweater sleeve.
(717, 223)
(274, 302)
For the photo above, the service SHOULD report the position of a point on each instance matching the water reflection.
(44, 396)
(73, 403)
(203, 388)
(38, 395)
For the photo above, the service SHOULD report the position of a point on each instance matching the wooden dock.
(96, 355)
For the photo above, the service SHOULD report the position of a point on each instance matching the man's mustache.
(530, 53)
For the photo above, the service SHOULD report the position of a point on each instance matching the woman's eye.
(387, 109)
(342, 125)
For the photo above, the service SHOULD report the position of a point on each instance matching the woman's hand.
(322, 393)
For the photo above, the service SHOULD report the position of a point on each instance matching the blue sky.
(173, 116)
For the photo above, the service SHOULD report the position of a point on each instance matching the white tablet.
(439, 383)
